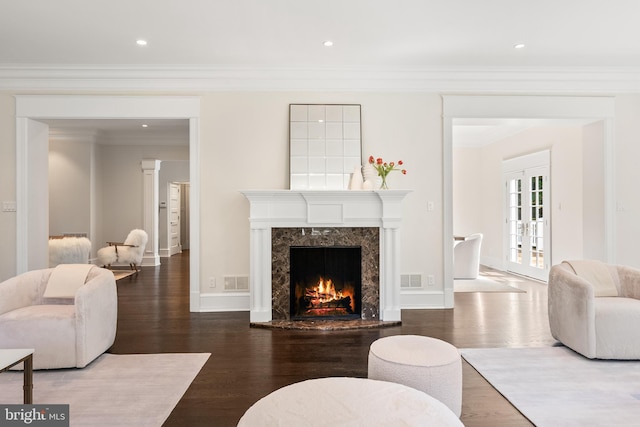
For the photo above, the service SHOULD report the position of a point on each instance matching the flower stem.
(383, 185)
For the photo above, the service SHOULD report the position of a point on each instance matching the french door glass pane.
(515, 220)
(536, 225)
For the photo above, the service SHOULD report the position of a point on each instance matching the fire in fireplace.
(326, 282)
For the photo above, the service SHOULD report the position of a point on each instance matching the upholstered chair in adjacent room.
(69, 250)
(594, 308)
(466, 257)
(128, 252)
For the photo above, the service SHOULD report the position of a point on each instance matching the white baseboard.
(228, 301)
(491, 262)
(414, 300)
(150, 261)
(166, 252)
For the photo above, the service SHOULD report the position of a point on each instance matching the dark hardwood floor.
(249, 363)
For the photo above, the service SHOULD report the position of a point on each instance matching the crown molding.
(171, 79)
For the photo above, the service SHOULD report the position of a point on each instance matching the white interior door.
(185, 189)
(174, 219)
(527, 222)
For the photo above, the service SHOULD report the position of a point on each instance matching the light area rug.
(121, 274)
(554, 386)
(114, 390)
(482, 284)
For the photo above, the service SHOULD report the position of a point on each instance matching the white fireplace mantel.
(308, 208)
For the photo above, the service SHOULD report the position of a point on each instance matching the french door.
(527, 237)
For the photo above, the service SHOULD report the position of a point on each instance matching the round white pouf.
(427, 364)
(352, 402)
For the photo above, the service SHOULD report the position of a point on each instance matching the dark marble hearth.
(325, 325)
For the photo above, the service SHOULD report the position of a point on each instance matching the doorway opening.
(489, 110)
(31, 143)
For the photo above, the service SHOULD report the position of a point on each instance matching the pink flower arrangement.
(384, 168)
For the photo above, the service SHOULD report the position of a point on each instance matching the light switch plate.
(8, 206)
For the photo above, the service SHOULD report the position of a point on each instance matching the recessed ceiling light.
(328, 43)
(145, 126)
(141, 42)
(518, 45)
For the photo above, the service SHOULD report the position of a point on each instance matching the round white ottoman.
(427, 364)
(352, 402)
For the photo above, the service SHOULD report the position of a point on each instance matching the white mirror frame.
(325, 145)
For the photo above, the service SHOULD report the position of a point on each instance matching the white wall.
(593, 235)
(70, 185)
(8, 255)
(627, 180)
(120, 186)
(245, 146)
(467, 192)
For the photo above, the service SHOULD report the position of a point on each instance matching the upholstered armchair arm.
(629, 281)
(571, 310)
(23, 290)
(96, 305)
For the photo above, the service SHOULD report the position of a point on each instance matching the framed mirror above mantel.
(325, 145)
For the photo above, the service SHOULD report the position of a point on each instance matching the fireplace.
(326, 282)
(279, 219)
(360, 244)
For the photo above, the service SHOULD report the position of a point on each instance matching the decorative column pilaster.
(150, 170)
(260, 275)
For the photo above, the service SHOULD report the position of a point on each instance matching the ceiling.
(124, 131)
(476, 133)
(273, 36)
(380, 34)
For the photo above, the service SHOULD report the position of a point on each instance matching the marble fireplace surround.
(367, 238)
(323, 211)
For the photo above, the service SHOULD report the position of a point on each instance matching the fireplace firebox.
(326, 282)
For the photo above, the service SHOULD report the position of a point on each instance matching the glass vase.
(383, 184)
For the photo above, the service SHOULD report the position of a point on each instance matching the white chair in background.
(128, 252)
(466, 257)
(69, 250)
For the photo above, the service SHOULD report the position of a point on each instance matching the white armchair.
(466, 257)
(129, 252)
(64, 332)
(594, 309)
(69, 250)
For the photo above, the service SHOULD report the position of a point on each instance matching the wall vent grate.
(236, 283)
(411, 281)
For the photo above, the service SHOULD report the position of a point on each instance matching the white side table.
(10, 358)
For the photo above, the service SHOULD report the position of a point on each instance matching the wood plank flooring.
(249, 363)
